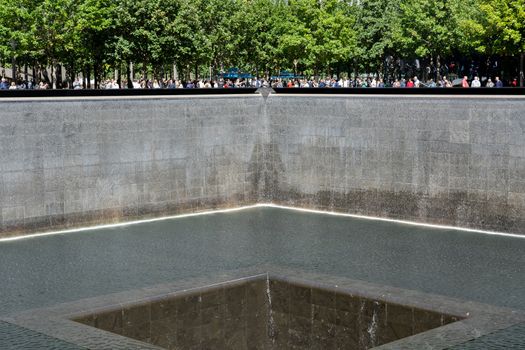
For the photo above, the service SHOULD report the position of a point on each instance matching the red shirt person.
(464, 82)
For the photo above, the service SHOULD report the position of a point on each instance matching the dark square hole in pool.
(262, 313)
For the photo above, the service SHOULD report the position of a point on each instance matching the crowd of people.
(22, 85)
(357, 82)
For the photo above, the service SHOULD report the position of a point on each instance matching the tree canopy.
(263, 37)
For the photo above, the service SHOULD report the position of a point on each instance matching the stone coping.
(285, 91)
(72, 98)
(441, 96)
(478, 319)
(80, 98)
(402, 91)
(118, 93)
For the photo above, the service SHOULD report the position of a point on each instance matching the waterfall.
(372, 327)
(271, 322)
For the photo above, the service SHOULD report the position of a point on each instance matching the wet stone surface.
(13, 337)
(509, 338)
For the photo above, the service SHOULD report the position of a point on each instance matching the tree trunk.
(88, 76)
(43, 71)
(438, 68)
(13, 69)
(58, 73)
(522, 77)
(128, 75)
(70, 76)
(119, 76)
(95, 75)
(53, 79)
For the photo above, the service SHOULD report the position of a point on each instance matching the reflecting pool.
(44, 271)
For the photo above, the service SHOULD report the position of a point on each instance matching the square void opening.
(266, 314)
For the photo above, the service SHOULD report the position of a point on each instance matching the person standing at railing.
(77, 84)
(464, 82)
(4, 85)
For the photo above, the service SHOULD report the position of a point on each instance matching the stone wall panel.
(69, 162)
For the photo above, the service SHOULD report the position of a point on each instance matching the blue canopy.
(286, 75)
(233, 73)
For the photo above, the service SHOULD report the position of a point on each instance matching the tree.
(503, 28)
(335, 37)
(378, 33)
(309, 36)
(189, 28)
(257, 28)
(316, 34)
(54, 37)
(222, 24)
(16, 36)
(138, 32)
(433, 29)
(93, 33)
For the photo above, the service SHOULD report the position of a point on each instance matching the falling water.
(372, 328)
(271, 322)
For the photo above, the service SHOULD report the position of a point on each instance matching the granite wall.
(69, 162)
(446, 160)
(72, 162)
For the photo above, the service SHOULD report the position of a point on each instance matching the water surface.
(48, 270)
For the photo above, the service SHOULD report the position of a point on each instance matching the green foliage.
(503, 26)
(16, 34)
(53, 29)
(263, 36)
(431, 27)
(379, 31)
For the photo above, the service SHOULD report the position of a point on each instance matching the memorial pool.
(46, 271)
